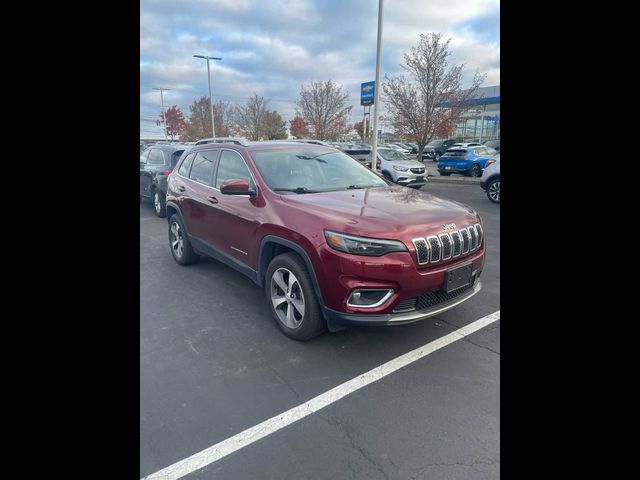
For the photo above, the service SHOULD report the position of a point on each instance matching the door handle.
(213, 199)
(181, 188)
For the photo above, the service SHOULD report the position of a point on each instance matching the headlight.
(400, 169)
(373, 247)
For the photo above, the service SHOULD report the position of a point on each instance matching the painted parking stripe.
(255, 433)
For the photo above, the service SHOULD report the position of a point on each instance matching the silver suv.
(397, 168)
(490, 180)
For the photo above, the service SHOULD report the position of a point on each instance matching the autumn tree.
(359, 127)
(249, 118)
(175, 122)
(274, 127)
(432, 99)
(323, 106)
(298, 127)
(199, 123)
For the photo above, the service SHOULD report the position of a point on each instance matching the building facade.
(481, 121)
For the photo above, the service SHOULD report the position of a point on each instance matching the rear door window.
(202, 168)
(175, 156)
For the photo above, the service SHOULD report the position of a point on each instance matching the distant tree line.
(424, 105)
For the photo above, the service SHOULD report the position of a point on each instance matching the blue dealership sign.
(367, 91)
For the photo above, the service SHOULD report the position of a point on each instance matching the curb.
(458, 180)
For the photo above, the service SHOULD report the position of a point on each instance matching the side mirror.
(236, 186)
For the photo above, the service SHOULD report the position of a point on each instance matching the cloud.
(274, 47)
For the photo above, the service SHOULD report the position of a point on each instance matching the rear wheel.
(493, 190)
(159, 203)
(181, 248)
(475, 171)
(292, 299)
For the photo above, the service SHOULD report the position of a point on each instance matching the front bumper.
(342, 318)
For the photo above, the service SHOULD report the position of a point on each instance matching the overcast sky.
(272, 47)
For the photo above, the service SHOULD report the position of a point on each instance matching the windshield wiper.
(295, 190)
(354, 187)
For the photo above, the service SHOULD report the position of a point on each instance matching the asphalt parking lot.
(213, 364)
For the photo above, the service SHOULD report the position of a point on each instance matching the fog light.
(369, 298)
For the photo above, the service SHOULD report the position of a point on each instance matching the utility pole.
(164, 118)
(376, 93)
(213, 124)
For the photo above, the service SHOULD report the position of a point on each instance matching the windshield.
(391, 155)
(455, 153)
(309, 170)
(435, 143)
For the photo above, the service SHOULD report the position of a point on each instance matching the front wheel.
(493, 190)
(292, 299)
(387, 176)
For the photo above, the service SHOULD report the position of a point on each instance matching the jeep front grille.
(445, 246)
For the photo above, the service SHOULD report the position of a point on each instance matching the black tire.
(185, 256)
(475, 171)
(312, 322)
(493, 190)
(387, 176)
(160, 207)
(445, 174)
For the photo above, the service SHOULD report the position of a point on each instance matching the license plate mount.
(457, 277)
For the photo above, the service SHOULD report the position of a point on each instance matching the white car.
(490, 181)
(398, 148)
(397, 168)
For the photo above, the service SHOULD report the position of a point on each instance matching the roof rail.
(303, 140)
(236, 140)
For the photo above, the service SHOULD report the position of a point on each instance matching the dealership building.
(481, 121)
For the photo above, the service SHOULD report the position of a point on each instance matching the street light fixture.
(213, 125)
(164, 118)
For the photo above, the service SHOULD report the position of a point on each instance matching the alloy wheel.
(156, 202)
(494, 191)
(287, 298)
(177, 242)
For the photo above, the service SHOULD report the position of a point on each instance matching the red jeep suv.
(331, 242)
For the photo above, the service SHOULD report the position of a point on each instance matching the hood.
(391, 212)
(407, 163)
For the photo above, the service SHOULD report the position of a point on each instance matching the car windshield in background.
(436, 143)
(391, 155)
(312, 171)
(455, 153)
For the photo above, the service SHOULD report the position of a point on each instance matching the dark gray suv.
(156, 163)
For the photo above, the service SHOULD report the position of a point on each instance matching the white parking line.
(255, 433)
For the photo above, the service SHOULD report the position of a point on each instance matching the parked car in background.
(490, 181)
(156, 163)
(328, 241)
(360, 152)
(397, 168)
(435, 149)
(468, 161)
(412, 147)
(397, 148)
(466, 144)
(495, 144)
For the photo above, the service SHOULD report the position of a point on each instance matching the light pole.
(164, 118)
(213, 125)
(376, 93)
